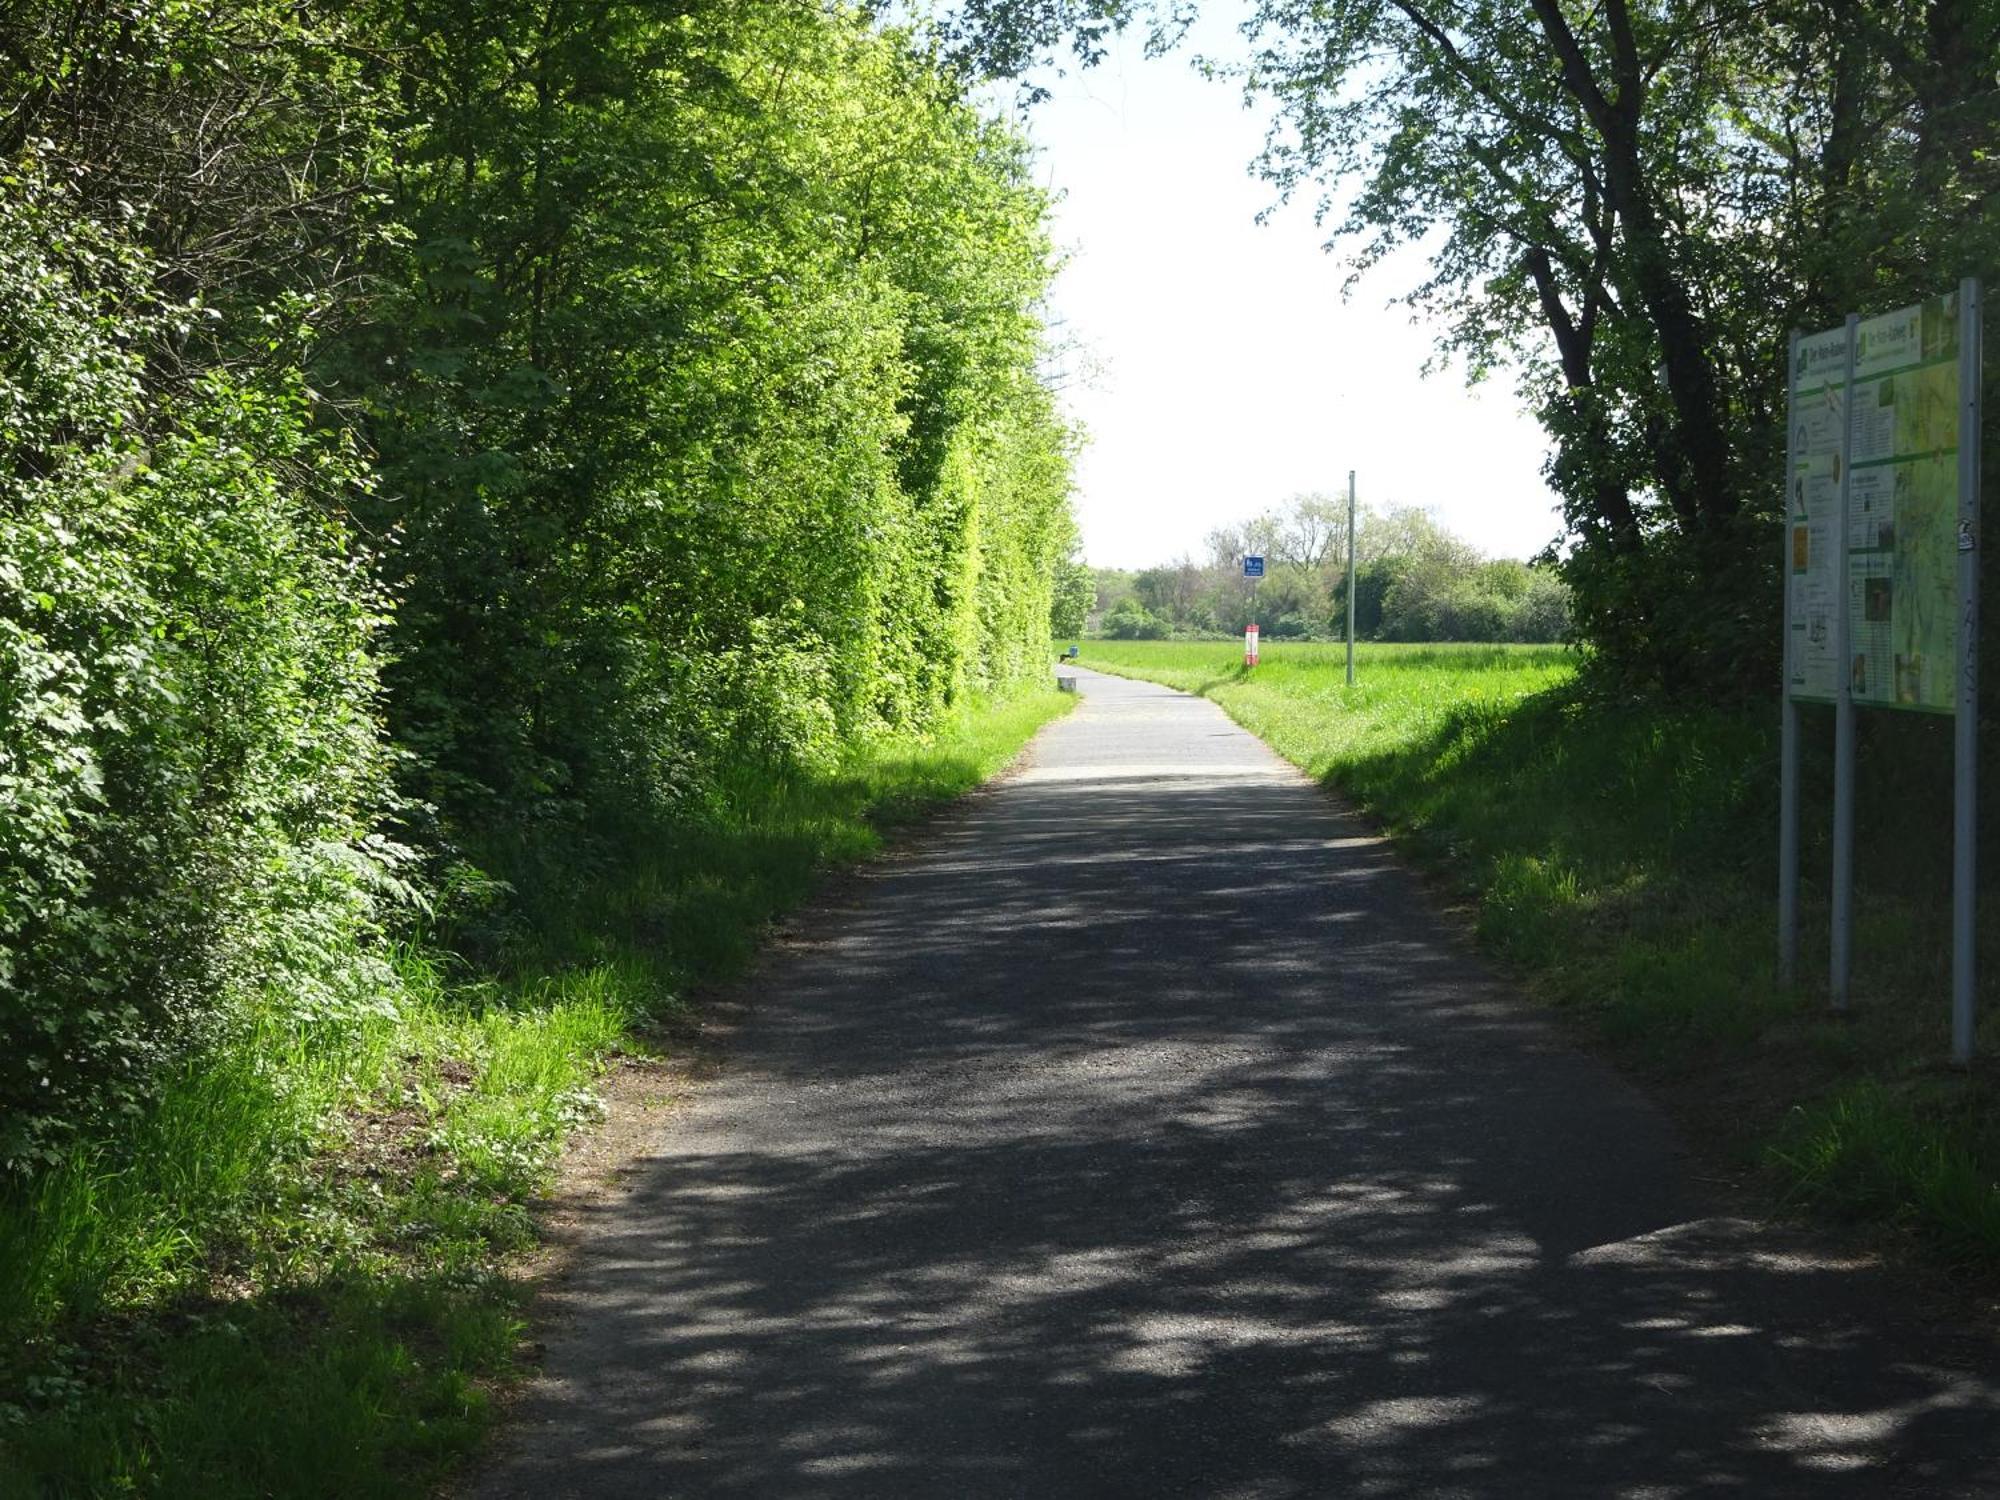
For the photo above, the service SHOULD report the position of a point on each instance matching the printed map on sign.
(1902, 508)
(1819, 403)
(1901, 587)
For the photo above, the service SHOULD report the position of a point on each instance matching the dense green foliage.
(1414, 581)
(704, 395)
(489, 495)
(190, 771)
(1602, 843)
(1075, 595)
(580, 408)
(1629, 204)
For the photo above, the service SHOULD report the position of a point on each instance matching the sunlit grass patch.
(1528, 905)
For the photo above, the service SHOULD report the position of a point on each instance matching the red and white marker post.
(1250, 644)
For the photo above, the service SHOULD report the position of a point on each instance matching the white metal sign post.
(1965, 810)
(1350, 578)
(1841, 960)
(1788, 711)
(1253, 569)
(1881, 604)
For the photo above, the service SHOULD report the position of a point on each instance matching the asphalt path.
(1143, 1131)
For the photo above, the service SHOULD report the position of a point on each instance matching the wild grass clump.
(1920, 1157)
(1622, 853)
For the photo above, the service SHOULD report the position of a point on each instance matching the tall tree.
(1629, 204)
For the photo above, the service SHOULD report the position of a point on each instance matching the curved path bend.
(1142, 1132)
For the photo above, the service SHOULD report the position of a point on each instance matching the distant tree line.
(441, 438)
(1628, 205)
(1414, 581)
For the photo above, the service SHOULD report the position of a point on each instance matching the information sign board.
(1874, 435)
(1253, 567)
(1902, 509)
(1881, 573)
(1819, 408)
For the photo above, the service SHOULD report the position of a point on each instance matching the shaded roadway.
(1142, 1132)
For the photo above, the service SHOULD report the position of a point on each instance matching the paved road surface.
(1142, 1134)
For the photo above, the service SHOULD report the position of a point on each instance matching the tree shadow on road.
(1142, 1136)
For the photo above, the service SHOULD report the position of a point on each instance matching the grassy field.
(1623, 857)
(290, 1278)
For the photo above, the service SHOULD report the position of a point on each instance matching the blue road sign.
(1253, 567)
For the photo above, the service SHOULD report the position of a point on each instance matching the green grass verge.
(288, 1278)
(1622, 854)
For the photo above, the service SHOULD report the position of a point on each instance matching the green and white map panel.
(1901, 588)
(1902, 509)
(1819, 401)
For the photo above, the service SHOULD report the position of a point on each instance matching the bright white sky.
(1232, 375)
